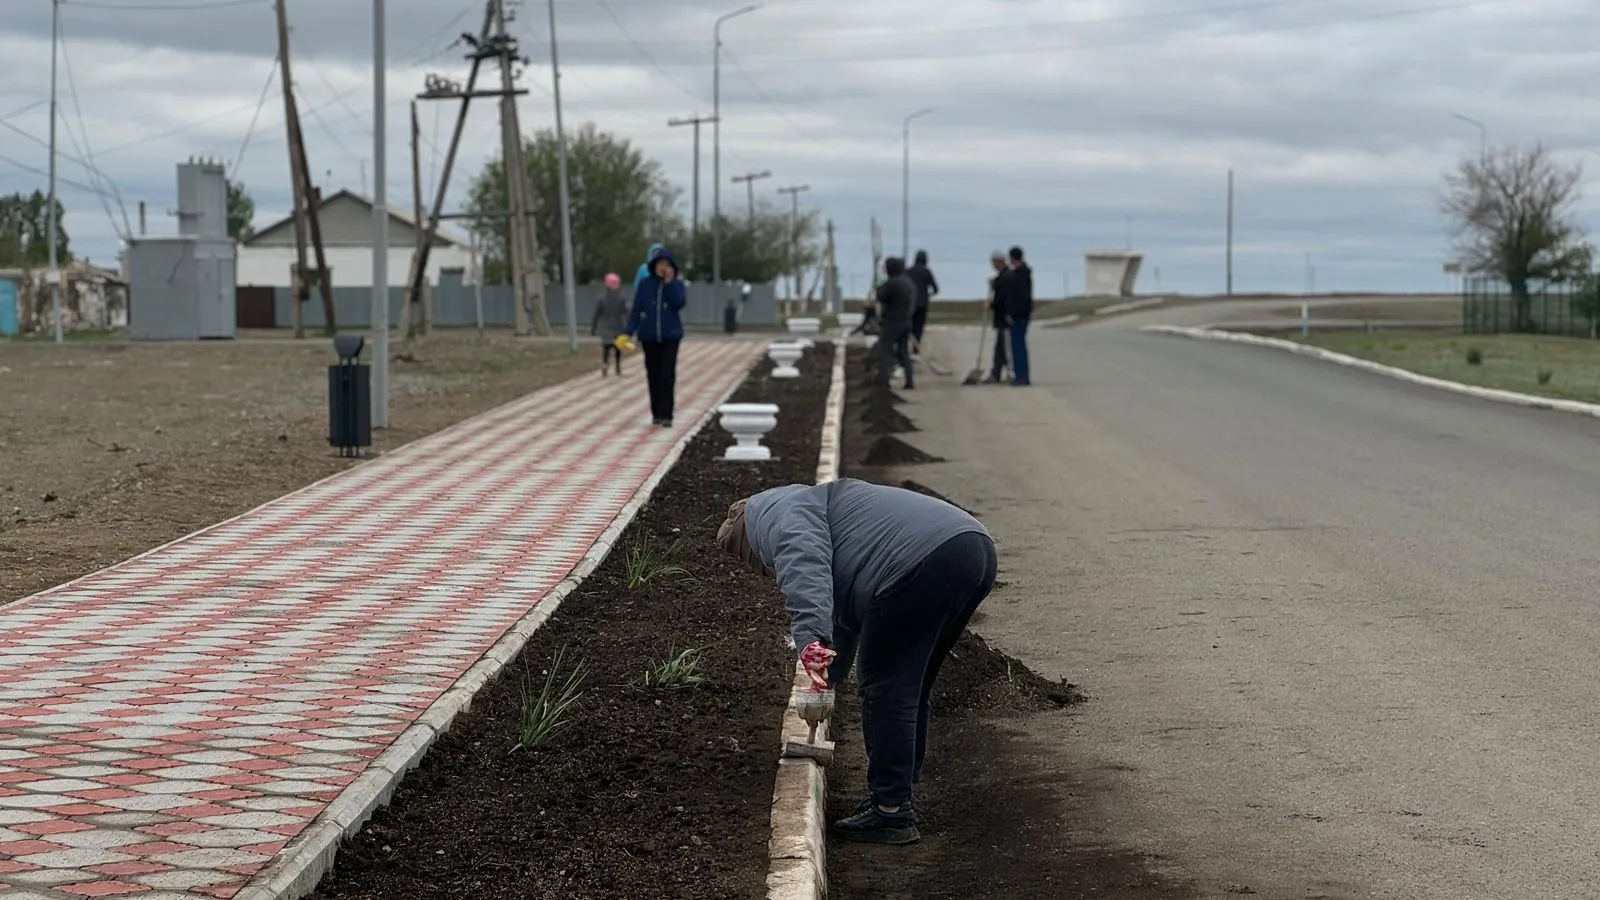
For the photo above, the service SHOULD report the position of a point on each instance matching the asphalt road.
(1340, 633)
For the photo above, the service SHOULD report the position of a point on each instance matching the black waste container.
(349, 398)
(730, 319)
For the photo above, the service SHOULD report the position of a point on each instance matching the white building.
(267, 258)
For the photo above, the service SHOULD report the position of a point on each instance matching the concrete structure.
(182, 288)
(267, 257)
(1110, 273)
(92, 298)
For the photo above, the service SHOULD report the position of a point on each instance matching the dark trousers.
(661, 371)
(919, 321)
(608, 350)
(905, 634)
(891, 349)
(1002, 339)
(1019, 351)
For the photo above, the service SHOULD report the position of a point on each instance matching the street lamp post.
(905, 184)
(52, 231)
(380, 223)
(695, 120)
(716, 145)
(569, 276)
(1483, 132)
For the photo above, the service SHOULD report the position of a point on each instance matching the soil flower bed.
(657, 780)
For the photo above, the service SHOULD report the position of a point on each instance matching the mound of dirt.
(891, 451)
(921, 488)
(889, 421)
(979, 678)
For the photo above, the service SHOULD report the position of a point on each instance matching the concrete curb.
(1482, 393)
(798, 847)
(297, 869)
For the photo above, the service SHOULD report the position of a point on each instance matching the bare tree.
(1511, 213)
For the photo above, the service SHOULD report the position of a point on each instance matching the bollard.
(349, 397)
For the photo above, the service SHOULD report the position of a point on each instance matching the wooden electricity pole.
(526, 273)
(794, 192)
(307, 224)
(416, 207)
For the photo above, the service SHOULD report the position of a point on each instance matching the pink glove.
(816, 659)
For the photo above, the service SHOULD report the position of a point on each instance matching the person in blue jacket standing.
(655, 322)
(644, 267)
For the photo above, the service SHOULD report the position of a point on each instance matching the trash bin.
(349, 398)
(730, 317)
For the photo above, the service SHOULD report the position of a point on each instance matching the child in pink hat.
(610, 318)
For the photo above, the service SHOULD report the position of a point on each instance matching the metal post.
(749, 180)
(905, 183)
(794, 192)
(695, 120)
(1483, 132)
(52, 230)
(569, 277)
(716, 148)
(380, 225)
(1230, 233)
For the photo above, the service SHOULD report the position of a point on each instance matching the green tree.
(241, 211)
(1511, 211)
(25, 229)
(758, 252)
(621, 202)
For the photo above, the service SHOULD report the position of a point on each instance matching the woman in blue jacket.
(655, 322)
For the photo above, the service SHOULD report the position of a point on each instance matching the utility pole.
(794, 193)
(749, 180)
(696, 121)
(1230, 233)
(830, 284)
(569, 276)
(905, 183)
(716, 147)
(527, 274)
(380, 223)
(307, 224)
(416, 214)
(439, 88)
(53, 229)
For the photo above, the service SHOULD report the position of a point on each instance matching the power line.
(272, 75)
(89, 166)
(167, 7)
(326, 130)
(17, 112)
(646, 54)
(775, 107)
(43, 173)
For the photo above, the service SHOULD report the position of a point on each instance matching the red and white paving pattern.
(170, 724)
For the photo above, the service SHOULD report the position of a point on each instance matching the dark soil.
(1004, 814)
(890, 421)
(649, 793)
(889, 450)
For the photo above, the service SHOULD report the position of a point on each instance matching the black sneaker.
(874, 826)
(665, 423)
(867, 805)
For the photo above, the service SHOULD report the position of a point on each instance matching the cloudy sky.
(1061, 125)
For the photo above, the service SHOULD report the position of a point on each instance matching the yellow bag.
(625, 344)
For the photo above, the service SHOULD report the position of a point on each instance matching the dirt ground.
(652, 792)
(1003, 815)
(110, 448)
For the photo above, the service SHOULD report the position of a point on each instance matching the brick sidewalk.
(169, 724)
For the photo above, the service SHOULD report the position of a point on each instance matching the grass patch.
(547, 710)
(1564, 368)
(645, 562)
(679, 668)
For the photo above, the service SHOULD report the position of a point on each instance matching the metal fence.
(1564, 308)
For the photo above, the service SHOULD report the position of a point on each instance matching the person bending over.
(882, 577)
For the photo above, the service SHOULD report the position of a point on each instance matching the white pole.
(380, 226)
(716, 148)
(905, 183)
(477, 281)
(53, 278)
(569, 277)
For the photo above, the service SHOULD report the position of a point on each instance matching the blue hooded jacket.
(644, 270)
(657, 303)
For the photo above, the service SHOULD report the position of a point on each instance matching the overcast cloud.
(1064, 126)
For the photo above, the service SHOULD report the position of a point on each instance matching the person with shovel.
(997, 310)
(884, 578)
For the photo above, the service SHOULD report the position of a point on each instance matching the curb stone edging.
(295, 872)
(1482, 393)
(798, 846)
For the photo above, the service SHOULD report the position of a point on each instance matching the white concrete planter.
(784, 355)
(851, 321)
(805, 326)
(748, 423)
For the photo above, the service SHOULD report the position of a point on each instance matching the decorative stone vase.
(784, 355)
(851, 321)
(805, 326)
(748, 423)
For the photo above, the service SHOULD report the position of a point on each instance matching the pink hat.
(613, 282)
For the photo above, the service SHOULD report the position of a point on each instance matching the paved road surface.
(1340, 633)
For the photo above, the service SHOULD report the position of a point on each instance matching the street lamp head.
(743, 10)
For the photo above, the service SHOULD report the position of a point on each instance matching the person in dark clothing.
(927, 289)
(1019, 309)
(655, 321)
(896, 299)
(997, 317)
(883, 577)
(610, 317)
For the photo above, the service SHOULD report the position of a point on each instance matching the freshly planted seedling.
(1544, 376)
(1474, 356)
(547, 711)
(676, 669)
(645, 563)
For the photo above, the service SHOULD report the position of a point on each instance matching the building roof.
(443, 237)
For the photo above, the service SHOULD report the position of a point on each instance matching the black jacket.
(1019, 292)
(927, 285)
(998, 285)
(897, 297)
